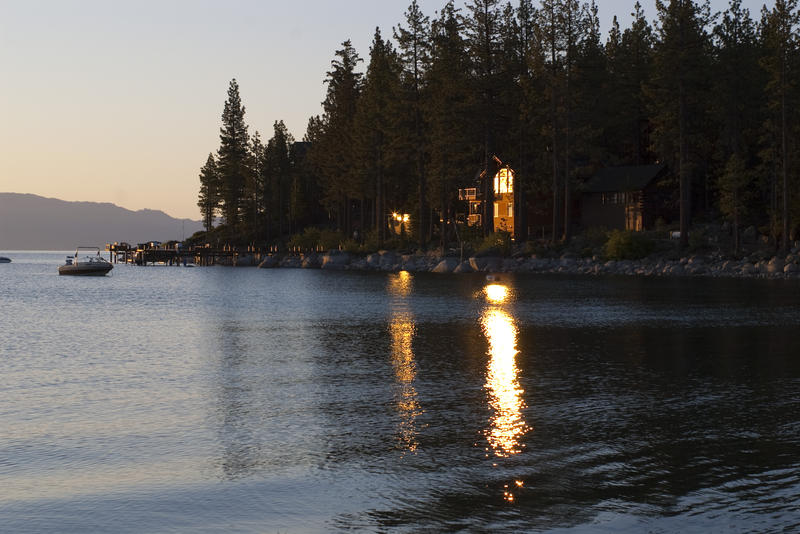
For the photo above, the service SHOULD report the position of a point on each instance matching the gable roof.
(627, 178)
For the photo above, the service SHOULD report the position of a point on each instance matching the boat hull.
(85, 270)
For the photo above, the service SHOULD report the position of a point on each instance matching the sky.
(118, 101)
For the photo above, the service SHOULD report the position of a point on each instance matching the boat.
(86, 262)
(3, 259)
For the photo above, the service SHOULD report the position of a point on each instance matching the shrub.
(495, 243)
(308, 240)
(330, 239)
(627, 245)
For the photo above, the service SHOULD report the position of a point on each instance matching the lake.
(218, 399)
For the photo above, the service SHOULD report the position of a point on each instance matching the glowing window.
(497, 209)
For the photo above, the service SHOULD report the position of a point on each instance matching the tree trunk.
(784, 158)
(685, 183)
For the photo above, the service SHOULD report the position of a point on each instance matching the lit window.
(497, 209)
(510, 209)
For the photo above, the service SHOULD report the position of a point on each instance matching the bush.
(308, 240)
(311, 238)
(498, 243)
(330, 239)
(627, 245)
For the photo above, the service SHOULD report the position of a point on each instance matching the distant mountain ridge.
(32, 222)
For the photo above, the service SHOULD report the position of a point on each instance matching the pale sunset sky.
(112, 101)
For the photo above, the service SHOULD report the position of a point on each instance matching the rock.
(269, 262)
(335, 260)
(487, 263)
(292, 262)
(775, 265)
(374, 261)
(791, 268)
(310, 261)
(463, 267)
(510, 265)
(389, 260)
(748, 269)
(447, 265)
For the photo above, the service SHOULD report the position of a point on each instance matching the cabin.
(503, 209)
(623, 198)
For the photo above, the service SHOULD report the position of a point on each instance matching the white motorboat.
(86, 262)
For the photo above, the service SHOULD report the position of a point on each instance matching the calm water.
(172, 399)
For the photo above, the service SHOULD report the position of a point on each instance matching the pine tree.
(677, 91)
(208, 199)
(332, 153)
(373, 129)
(448, 109)
(277, 179)
(483, 42)
(779, 34)
(630, 56)
(737, 106)
(413, 41)
(232, 157)
(734, 195)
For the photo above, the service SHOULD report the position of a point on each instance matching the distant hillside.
(31, 222)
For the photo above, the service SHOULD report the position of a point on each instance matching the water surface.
(172, 399)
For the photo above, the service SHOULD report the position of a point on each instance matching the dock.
(154, 253)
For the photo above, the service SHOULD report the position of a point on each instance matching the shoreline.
(713, 266)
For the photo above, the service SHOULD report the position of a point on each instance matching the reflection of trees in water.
(236, 407)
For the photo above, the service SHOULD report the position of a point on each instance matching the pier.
(154, 253)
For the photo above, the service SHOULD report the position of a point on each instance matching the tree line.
(712, 95)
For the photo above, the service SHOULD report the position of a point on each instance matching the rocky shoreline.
(711, 265)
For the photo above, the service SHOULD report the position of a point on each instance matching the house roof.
(627, 178)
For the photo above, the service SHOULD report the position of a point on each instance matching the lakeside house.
(624, 198)
(503, 203)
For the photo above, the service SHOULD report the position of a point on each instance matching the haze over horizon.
(121, 103)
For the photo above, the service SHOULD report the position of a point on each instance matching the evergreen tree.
(483, 42)
(734, 193)
(737, 106)
(332, 153)
(254, 187)
(413, 41)
(629, 62)
(677, 91)
(779, 34)
(232, 157)
(448, 110)
(208, 200)
(373, 131)
(277, 180)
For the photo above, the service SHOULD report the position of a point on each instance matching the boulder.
(463, 267)
(748, 269)
(374, 261)
(269, 262)
(292, 262)
(447, 265)
(310, 261)
(335, 260)
(389, 260)
(775, 265)
(485, 263)
(791, 268)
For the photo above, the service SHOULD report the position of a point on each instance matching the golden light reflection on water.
(505, 395)
(402, 329)
(496, 293)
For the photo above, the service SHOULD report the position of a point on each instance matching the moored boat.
(86, 262)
